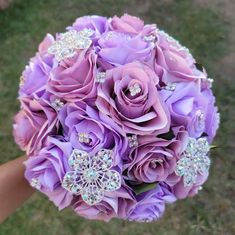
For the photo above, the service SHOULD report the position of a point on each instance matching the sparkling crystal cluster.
(70, 42)
(135, 89)
(57, 104)
(100, 77)
(194, 160)
(91, 176)
(35, 183)
(133, 141)
(170, 87)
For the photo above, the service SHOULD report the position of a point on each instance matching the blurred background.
(207, 28)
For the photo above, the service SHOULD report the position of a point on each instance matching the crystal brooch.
(70, 42)
(194, 161)
(91, 176)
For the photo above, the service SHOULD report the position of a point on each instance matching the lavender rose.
(151, 204)
(98, 24)
(191, 107)
(180, 190)
(35, 75)
(130, 97)
(34, 122)
(47, 169)
(118, 48)
(89, 130)
(115, 204)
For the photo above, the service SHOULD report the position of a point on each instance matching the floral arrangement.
(117, 119)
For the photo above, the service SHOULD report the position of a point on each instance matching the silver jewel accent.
(135, 89)
(22, 81)
(133, 141)
(170, 87)
(194, 161)
(83, 138)
(100, 77)
(35, 183)
(218, 118)
(208, 81)
(150, 38)
(200, 117)
(155, 162)
(70, 42)
(57, 104)
(91, 176)
(109, 35)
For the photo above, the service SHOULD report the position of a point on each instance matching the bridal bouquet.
(117, 119)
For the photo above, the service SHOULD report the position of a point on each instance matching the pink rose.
(34, 122)
(127, 23)
(173, 61)
(73, 79)
(155, 159)
(130, 97)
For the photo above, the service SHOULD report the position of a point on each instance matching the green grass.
(23, 26)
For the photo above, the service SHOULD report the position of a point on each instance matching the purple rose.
(48, 168)
(98, 24)
(151, 204)
(34, 122)
(89, 130)
(118, 48)
(73, 79)
(155, 159)
(212, 117)
(130, 97)
(190, 107)
(36, 74)
(115, 204)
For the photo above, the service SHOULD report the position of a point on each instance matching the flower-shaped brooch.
(91, 176)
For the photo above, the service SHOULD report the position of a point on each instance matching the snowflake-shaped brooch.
(194, 161)
(91, 176)
(70, 42)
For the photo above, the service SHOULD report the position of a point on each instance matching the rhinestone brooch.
(70, 42)
(91, 176)
(194, 161)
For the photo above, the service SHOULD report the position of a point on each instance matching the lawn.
(199, 27)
